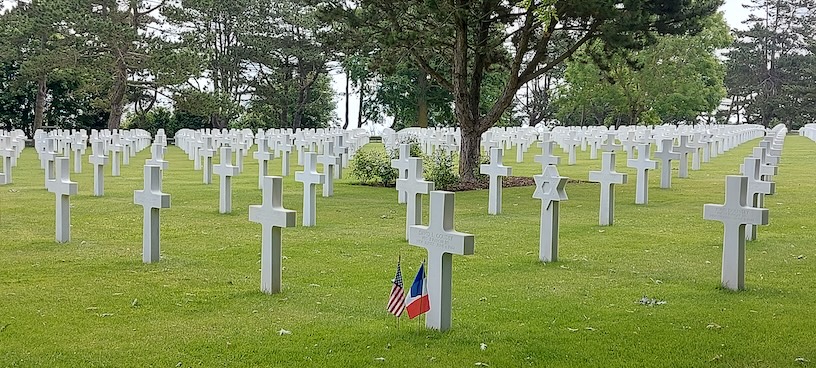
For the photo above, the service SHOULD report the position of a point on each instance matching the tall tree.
(765, 66)
(471, 37)
(676, 79)
(288, 61)
(39, 35)
(123, 42)
(212, 31)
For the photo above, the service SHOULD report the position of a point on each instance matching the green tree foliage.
(770, 73)
(125, 52)
(38, 39)
(676, 79)
(258, 53)
(472, 36)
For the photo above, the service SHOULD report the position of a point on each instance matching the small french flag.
(418, 302)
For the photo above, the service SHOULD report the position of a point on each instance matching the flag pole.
(399, 261)
(424, 287)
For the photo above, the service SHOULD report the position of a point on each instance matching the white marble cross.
(329, 162)
(521, 146)
(285, 150)
(609, 145)
(608, 177)
(572, 143)
(414, 186)
(241, 149)
(63, 188)
(50, 156)
(263, 156)
(127, 146)
(734, 215)
(309, 177)
(401, 164)
(340, 150)
(757, 189)
(195, 148)
(99, 160)
(546, 157)
(152, 199)
(496, 171)
(695, 151)
(205, 157)
(6, 154)
(766, 170)
(666, 156)
(550, 190)
(684, 149)
(116, 149)
(157, 157)
(629, 143)
(226, 170)
(272, 217)
(642, 164)
(441, 241)
(78, 147)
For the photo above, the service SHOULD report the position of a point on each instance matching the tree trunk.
(360, 106)
(470, 154)
(422, 99)
(39, 105)
(117, 96)
(346, 124)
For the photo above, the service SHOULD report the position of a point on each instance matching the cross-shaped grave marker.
(757, 189)
(285, 150)
(272, 217)
(608, 177)
(546, 157)
(157, 157)
(50, 156)
(609, 145)
(98, 160)
(642, 164)
(496, 171)
(572, 143)
(205, 157)
(78, 147)
(115, 151)
(329, 162)
(629, 143)
(6, 154)
(309, 177)
(521, 146)
(441, 242)
(766, 170)
(127, 145)
(550, 190)
(695, 151)
(340, 150)
(226, 170)
(414, 186)
(263, 156)
(63, 188)
(734, 215)
(152, 199)
(666, 156)
(401, 164)
(684, 149)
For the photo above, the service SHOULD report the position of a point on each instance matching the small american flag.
(396, 302)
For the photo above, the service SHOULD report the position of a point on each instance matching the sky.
(733, 10)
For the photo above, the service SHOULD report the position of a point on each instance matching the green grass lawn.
(92, 302)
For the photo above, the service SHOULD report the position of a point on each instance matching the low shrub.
(373, 167)
(439, 168)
